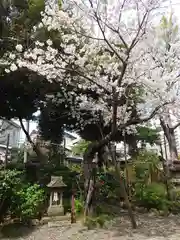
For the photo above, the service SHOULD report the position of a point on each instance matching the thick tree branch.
(176, 126)
(26, 132)
(35, 148)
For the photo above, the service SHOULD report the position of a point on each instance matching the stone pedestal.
(55, 210)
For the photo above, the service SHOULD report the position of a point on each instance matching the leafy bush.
(30, 200)
(10, 183)
(145, 163)
(79, 206)
(107, 186)
(80, 147)
(151, 196)
(17, 197)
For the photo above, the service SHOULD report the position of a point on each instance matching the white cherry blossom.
(113, 50)
(19, 48)
(13, 67)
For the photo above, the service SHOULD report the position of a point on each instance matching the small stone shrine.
(56, 187)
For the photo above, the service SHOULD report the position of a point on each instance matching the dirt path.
(149, 228)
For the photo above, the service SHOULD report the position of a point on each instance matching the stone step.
(54, 224)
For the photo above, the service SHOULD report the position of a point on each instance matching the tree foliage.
(21, 93)
(80, 147)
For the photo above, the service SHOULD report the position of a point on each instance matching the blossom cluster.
(114, 50)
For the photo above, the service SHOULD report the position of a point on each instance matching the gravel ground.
(149, 228)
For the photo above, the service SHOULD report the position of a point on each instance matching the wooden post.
(73, 214)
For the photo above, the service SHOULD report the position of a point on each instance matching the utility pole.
(26, 142)
(7, 151)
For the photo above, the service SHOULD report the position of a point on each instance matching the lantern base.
(55, 210)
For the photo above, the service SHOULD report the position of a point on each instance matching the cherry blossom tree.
(167, 55)
(113, 49)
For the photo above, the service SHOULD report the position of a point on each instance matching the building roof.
(72, 134)
(10, 122)
(14, 124)
(5, 146)
(56, 182)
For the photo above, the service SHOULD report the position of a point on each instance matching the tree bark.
(170, 136)
(89, 177)
(36, 149)
(89, 198)
(88, 166)
(132, 146)
(124, 193)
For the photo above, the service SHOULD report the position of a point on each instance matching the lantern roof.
(56, 182)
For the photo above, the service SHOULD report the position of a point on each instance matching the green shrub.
(144, 163)
(28, 202)
(151, 196)
(107, 187)
(10, 183)
(79, 206)
(18, 198)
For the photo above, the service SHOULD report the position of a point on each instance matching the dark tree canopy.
(57, 116)
(21, 93)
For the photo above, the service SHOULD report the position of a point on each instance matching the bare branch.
(154, 112)
(116, 31)
(120, 11)
(98, 19)
(135, 40)
(176, 126)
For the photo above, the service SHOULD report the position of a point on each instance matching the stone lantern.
(56, 187)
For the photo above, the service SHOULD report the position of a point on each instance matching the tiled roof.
(56, 182)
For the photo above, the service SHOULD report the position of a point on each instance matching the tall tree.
(169, 36)
(114, 63)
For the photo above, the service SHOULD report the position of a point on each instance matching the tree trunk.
(165, 172)
(36, 149)
(89, 177)
(170, 136)
(127, 202)
(88, 204)
(132, 145)
(124, 194)
(88, 166)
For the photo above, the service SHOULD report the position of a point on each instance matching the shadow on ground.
(16, 230)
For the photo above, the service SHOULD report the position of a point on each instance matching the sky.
(175, 6)
(32, 126)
